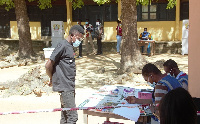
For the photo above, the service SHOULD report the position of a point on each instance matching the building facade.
(164, 24)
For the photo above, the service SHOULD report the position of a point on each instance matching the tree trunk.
(25, 43)
(131, 58)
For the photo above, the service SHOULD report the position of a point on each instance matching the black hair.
(76, 29)
(98, 20)
(87, 20)
(177, 107)
(145, 28)
(150, 68)
(118, 21)
(170, 64)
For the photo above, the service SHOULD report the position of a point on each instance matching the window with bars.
(155, 12)
(149, 12)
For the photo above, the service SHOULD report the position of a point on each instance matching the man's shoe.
(79, 57)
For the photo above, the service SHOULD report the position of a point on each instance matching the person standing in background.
(80, 46)
(61, 70)
(119, 35)
(99, 34)
(88, 37)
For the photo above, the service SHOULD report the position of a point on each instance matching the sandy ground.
(85, 72)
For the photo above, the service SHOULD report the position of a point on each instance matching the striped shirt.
(165, 85)
(183, 78)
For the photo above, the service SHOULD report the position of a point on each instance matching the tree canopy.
(43, 4)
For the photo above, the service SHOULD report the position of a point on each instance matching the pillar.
(119, 10)
(194, 51)
(69, 17)
(177, 37)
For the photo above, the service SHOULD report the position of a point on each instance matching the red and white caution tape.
(69, 109)
(58, 109)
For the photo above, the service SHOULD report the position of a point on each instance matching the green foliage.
(143, 2)
(171, 4)
(43, 4)
(77, 3)
(100, 2)
(9, 4)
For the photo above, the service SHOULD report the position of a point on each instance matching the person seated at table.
(163, 84)
(171, 67)
(146, 36)
(177, 107)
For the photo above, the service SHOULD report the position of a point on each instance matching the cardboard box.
(144, 95)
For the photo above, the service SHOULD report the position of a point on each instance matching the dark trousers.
(80, 49)
(99, 46)
(67, 100)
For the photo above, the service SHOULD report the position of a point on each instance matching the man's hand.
(131, 99)
(50, 82)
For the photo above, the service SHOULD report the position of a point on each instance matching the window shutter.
(107, 12)
(171, 14)
(139, 12)
(162, 12)
(114, 12)
(184, 10)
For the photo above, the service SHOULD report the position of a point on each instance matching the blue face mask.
(86, 23)
(76, 43)
(152, 85)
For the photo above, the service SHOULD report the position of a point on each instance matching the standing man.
(88, 37)
(119, 35)
(99, 34)
(61, 70)
(80, 46)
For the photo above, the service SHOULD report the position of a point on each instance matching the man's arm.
(134, 100)
(49, 68)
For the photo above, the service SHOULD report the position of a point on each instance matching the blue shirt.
(170, 82)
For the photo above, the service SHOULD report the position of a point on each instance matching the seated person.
(177, 107)
(164, 84)
(171, 67)
(146, 36)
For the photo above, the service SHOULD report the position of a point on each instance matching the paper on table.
(129, 113)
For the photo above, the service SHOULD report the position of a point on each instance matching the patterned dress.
(88, 28)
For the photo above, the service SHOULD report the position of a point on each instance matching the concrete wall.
(171, 47)
(35, 29)
(160, 30)
(194, 50)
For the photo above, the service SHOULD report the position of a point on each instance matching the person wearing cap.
(61, 70)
